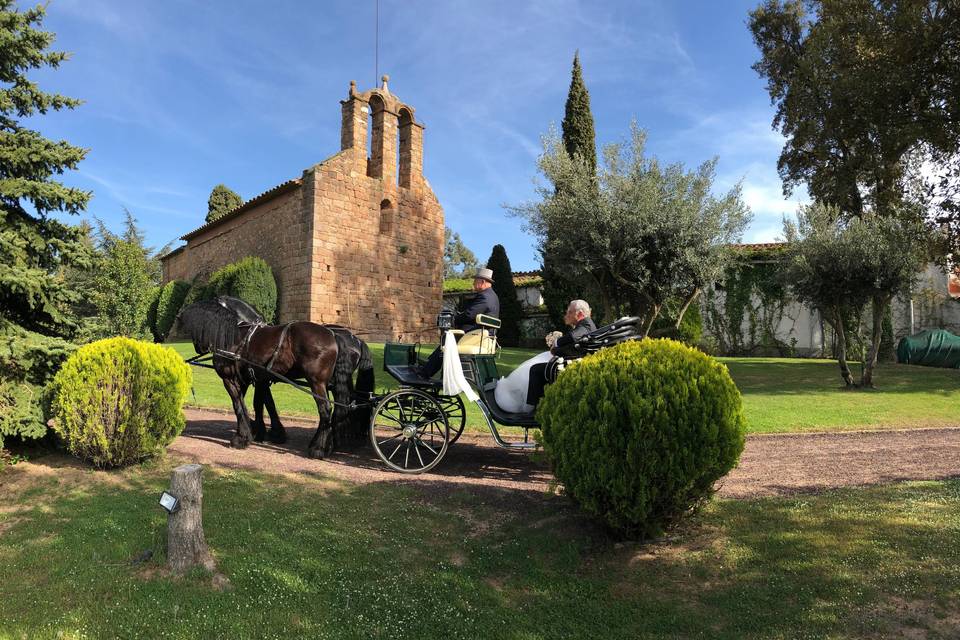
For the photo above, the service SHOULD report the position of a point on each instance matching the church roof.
(289, 185)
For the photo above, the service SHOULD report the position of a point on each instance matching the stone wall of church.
(277, 230)
(377, 262)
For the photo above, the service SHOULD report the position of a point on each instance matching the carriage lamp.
(169, 502)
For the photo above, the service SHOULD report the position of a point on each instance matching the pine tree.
(35, 300)
(222, 201)
(579, 139)
(510, 310)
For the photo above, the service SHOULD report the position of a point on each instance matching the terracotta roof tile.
(246, 206)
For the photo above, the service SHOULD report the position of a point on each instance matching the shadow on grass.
(405, 560)
(799, 377)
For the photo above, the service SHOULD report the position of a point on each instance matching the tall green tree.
(579, 138)
(863, 91)
(561, 284)
(458, 260)
(644, 233)
(511, 312)
(35, 300)
(222, 201)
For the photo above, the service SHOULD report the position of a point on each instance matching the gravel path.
(770, 464)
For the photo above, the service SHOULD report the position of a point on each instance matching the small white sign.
(168, 502)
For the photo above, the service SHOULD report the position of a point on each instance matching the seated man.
(580, 323)
(485, 301)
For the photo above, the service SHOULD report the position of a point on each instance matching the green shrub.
(168, 305)
(639, 433)
(118, 401)
(152, 305)
(249, 279)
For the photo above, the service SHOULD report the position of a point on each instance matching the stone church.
(355, 240)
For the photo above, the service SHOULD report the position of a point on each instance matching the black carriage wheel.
(409, 431)
(456, 415)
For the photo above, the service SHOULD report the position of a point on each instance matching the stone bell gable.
(356, 240)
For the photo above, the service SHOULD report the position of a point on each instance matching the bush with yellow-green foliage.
(639, 433)
(118, 401)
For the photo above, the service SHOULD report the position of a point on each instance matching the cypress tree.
(222, 201)
(35, 249)
(510, 310)
(579, 139)
(578, 134)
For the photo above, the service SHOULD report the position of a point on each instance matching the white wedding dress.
(511, 391)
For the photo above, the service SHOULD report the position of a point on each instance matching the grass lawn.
(779, 394)
(313, 558)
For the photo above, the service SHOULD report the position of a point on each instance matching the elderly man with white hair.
(522, 389)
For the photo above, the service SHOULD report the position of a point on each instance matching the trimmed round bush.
(638, 433)
(169, 304)
(118, 401)
(251, 280)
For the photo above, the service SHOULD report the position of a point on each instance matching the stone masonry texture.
(356, 240)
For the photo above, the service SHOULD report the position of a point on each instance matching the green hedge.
(639, 433)
(118, 401)
(171, 299)
(249, 279)
(152, 306)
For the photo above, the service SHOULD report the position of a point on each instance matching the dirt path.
(770, 465)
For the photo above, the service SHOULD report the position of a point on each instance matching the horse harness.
(245, 344)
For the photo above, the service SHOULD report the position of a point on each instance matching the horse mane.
(244, 311)
(212, 325)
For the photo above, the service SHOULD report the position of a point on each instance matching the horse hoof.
(239, 443)
(316, 453)
(258, 438)
(277, 437)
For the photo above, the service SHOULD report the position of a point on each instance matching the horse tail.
(342, 383)
(365, 377)
(365, 380)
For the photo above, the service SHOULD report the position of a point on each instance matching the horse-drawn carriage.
(411, 427)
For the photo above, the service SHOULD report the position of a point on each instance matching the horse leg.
(259, 429)
(322, 442)
(277, 433)
(241, 439)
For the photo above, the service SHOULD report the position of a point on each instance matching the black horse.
(247, 351)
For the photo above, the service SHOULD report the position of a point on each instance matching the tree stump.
(186, 546)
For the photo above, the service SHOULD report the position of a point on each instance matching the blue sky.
(180, 96)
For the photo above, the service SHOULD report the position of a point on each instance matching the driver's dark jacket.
(485, 302)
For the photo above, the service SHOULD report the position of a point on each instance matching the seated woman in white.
(511, 391)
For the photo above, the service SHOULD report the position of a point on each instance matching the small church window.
(386, 217)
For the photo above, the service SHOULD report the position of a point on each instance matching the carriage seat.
(476, 342)
(622, 330)
(505, 418)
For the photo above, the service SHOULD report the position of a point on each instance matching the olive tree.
(643, 233)
(841, 265)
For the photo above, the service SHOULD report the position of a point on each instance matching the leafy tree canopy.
(864, 91)
(642, 232)
(458, 260)
(34, 248)
(839, 266)
(222, 201)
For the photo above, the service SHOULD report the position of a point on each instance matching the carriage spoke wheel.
(409, 431)
(456, 414)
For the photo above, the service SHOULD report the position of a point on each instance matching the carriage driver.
(484, 301)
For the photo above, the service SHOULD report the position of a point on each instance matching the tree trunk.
(186, 546)
(686, 305)
(834, 318)
(842, 348)
(879, 306)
